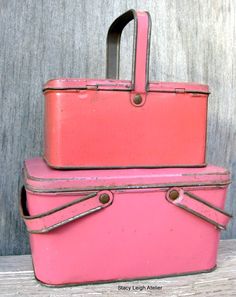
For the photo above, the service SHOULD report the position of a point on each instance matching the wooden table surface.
(17, 279)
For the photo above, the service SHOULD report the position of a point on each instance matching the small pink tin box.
(113, 123)
(109, 225)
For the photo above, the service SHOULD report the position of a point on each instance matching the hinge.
(92, 87)
(179, 90)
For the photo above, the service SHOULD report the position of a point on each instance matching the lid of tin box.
(122, 85)
(41, 178)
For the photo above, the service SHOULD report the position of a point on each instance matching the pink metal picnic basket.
(108, 225)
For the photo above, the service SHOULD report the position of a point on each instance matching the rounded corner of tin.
(44, 283)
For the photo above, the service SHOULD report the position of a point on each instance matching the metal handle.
(59, 216)
(140, 65)
(198, 207)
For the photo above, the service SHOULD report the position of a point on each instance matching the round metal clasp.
(104, 198)
(174, 194)
(137, 99)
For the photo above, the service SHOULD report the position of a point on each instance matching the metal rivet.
(138, 99)
(173, 194)
(104, 198)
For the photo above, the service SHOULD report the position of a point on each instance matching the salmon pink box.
(113, 123)
(91, 226)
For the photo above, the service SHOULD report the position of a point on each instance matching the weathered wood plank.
(191, 41)
(16, 279)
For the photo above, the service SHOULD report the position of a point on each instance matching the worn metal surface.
(191, 41)
(17, 279)
(139, 220)
(214, 215)
(66, 213)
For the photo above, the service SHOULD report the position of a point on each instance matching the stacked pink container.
(123, 191)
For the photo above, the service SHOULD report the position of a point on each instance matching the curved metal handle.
(198, 207)
(140, 65)
(59, 216)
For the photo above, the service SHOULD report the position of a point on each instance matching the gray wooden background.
(39, 40)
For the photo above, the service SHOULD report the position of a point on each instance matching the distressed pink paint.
(138, 234)
(95, 123)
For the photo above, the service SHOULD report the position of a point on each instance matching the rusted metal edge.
(56, 209)
(201, 216)
(128, 187)
(175, 91)
(197, 214)
(123, 280)
(226, 172)
(195, 197)
(100, 88)
(78, 216)
(44, 229)
(26, 173)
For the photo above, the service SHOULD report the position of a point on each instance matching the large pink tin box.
(108, 225)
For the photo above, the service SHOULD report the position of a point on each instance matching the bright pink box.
(108, 225)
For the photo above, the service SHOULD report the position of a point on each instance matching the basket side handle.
(198, 207)
(68, 212)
